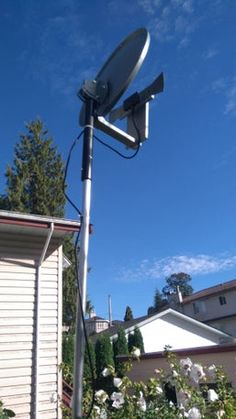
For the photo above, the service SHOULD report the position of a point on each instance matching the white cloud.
(170, 20)
(194, 265)
(227, 88)
(210, 53)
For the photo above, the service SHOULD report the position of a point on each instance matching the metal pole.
(83, 260)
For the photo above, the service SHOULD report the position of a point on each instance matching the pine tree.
(120, 347)
(35, 180)
(159, 303)
(34, 184)
(128, 314)
(135, 339)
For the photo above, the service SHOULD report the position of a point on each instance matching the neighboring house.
(170, 327)
(96, 324)
(31, 263)
(215, 306)
(223, 355)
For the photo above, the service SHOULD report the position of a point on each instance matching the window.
(199, 307)
(222, 300)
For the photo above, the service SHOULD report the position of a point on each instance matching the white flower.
(171, 404)
(196, 373)
(157, 371)
(174, 373)
(118, 400)
(194, 413)
(159, 390)
(135, 352)
(101, 396)
(97, 410)
(211, 371)
(186, 365)
(106, 372)
(142, 402)
(183, 398)
(212, 396)
(220, 413)
(117, 382)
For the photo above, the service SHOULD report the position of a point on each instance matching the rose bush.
(191, 397)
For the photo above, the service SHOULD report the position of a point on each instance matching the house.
(95, 324)
(31, 263)
(214, 306)
(171, 327)
(220, 355)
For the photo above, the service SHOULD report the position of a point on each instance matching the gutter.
(37, 321)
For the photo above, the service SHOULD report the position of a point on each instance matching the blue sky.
(172, 208)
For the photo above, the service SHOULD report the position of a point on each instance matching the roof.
(130, 325)
(212, 349)
(96, 318)
(207, 292)
(35, 224)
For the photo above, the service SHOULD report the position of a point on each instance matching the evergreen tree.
(128, 314)
(104, 358)
(35, 185)
(135, 339)
(158, 304)
(88, 374)
(35, 180)
(120, 347)
(69, 285)
(180, 280)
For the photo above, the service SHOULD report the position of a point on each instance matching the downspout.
(37, 323)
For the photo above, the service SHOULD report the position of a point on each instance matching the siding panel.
(19, 255)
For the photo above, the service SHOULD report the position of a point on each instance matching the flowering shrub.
(187, 382)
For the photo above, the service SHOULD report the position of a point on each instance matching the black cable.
(65, 173)
(118, 152)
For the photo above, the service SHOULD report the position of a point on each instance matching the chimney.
(179, 294)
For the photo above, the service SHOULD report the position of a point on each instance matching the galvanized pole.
(83, 260)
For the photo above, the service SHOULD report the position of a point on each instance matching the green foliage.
(35, 180)
(120, 347)
(88, 374)
(158, 304)
(104, 358)
(180, 280)
(6, 413)
(104, 353)
(138, 400)
(35, 185)
(135, 340)
(128, 314)
(69, 285)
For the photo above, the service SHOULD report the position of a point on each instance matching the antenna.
(100, 96)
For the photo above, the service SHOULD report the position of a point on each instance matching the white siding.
(19, 255)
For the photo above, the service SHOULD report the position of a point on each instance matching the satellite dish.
(117, 73)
